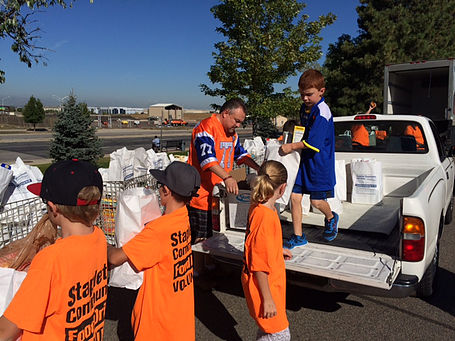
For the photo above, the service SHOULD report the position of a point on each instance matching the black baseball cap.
(63, 181)
(180, 178)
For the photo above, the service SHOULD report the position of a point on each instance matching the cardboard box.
(237, 209)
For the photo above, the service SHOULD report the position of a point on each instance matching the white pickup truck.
(390, 248)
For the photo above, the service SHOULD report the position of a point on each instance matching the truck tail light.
(413, 239)
(365, 117)
(216, 214)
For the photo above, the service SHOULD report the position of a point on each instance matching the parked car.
(178, 122)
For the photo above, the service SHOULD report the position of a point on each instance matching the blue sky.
(134, 52)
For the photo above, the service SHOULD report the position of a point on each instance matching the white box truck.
(423, 88)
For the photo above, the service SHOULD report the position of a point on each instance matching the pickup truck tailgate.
(356, 266)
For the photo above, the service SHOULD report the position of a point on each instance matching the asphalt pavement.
(33, 147)
(222, 314)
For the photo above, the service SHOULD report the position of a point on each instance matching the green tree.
(74, 136)
(390, 31)
(33, 112)
(266, 42)
(17, 23)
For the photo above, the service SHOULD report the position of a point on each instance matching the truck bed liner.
(378, 218)
(361, 267)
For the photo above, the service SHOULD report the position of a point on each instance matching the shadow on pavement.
(444, 296)
(298, 297)
(210, 311)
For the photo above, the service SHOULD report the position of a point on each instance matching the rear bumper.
(404, 285)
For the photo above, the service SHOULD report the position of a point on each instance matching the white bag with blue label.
(367, 182)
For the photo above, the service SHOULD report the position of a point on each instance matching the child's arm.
(269, 308)
(8, 330)
(115, 256)
(290, 147)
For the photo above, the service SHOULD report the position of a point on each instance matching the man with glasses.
(214, 147)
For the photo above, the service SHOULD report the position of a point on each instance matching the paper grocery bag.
(340, 173)
(290, 161)
(10, 281)
(367, 183)
(135, 208)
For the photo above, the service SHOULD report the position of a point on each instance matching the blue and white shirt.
(317, 165)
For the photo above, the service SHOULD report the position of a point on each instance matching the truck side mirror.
(451, 151)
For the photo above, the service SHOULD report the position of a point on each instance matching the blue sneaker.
(331, 227)
(295, 241)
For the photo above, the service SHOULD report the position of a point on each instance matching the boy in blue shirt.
(316, 175)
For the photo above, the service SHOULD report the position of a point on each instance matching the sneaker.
(331, 227)
(295, 241)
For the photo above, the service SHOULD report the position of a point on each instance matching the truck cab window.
(441, 152)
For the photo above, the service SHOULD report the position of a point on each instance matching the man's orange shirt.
(360, 135)
(264, 252)
(164, 308)
(63, 296)
(209, 146)
(416, 132)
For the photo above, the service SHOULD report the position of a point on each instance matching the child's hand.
(285, 149)
(269, 309)
(287, 254)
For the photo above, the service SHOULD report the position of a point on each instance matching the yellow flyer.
(298, 134)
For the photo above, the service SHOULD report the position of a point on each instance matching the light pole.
(4, 99)
(60, 99)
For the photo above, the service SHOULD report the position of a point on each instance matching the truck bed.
(351, 239)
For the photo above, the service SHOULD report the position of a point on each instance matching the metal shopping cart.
(17, 219)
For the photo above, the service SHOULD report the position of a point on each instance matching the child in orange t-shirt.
(164, 308)
(264, 273)
(63, 296)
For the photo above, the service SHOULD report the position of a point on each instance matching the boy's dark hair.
(289, 125)
(233, 104)
(311, 79)
(181, 199)
(83, 214)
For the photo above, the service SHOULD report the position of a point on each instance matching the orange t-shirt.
(381, 134)
(416, 132)
(264, 252)
(63, 296)
(209, 146)
(164, 308)
(360, 135)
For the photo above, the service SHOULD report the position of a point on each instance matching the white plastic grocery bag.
(6, 175)
(10, 281)
(23, 175)
(367, 184)
(255, 148)
(135, 207)
(291, 161)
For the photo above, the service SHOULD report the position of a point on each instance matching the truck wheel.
(449, 213)
(426, 286)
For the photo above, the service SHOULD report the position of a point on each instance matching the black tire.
(449, 213)
(427, 285)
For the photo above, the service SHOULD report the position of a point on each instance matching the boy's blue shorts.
(314, 195)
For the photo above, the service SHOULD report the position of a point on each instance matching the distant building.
(280, 121)
(52, 109)
(116, 110)
(6, 110)
(165, 111)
